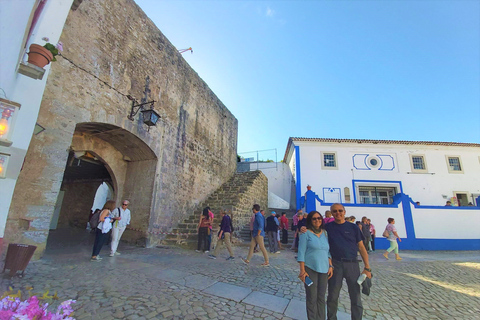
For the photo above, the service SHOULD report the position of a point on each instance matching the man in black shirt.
(345, 239)
(366, 232)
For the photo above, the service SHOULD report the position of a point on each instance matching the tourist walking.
(203, 229)
(252, 220)
(392, 237)
(271, 229)
(224, 236)
(301, 223)
(210, 229)
(103, 227)
(372, 233)
(315, 262)
(122, 219)
(294, 224)
(284, 227)
(366, 233)
(259, 232)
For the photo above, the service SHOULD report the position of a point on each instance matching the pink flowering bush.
(13, 308)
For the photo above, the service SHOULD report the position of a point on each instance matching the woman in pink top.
(328, 217)
(392, 237)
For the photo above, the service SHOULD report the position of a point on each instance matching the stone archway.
(131, 164)
(84, 173)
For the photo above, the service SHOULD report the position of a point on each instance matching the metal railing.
(257, 160)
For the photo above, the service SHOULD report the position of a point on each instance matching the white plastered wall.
(14, 17)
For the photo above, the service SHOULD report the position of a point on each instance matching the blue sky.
(400, 70)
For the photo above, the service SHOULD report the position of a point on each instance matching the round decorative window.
(373, 162)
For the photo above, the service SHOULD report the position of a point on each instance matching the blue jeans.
(99, 241)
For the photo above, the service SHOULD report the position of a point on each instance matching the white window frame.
(322, 159)
(390, 200)
(424, 163)
(377, 184)
(450, 170)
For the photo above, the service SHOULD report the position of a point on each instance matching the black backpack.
(271, 225)
(94, 219)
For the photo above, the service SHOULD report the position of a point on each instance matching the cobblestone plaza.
(174, 283)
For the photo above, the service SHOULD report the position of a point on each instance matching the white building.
(280, 182)
(373, 177)
(21, 84)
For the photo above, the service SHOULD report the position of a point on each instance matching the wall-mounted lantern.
(3, 164)
(150, 117)
(8, 116)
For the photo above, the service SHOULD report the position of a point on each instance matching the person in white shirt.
(121, 217)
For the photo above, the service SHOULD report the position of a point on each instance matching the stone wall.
(236, 197)
(188, 155)
(76, 211)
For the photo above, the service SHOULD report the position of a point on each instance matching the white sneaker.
(112, 254)
(117, 253)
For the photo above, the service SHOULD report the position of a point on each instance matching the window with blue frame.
(376, 195)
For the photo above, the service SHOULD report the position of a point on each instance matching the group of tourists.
(109, 220)
(327, 247)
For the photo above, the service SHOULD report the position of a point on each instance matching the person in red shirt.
(284, 227)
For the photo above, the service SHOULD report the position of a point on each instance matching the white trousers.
(116, 235)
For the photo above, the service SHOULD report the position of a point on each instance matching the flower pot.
(39, 55)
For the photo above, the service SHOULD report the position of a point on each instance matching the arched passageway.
(104, 153)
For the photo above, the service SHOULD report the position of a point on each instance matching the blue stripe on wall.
(299, 180)
(412, 243)
(430, 244)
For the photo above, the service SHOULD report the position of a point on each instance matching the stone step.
(234, 196)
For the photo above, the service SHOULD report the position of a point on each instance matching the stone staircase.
(236, 197)
(245, 230)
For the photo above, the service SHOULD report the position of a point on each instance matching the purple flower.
(59, 46)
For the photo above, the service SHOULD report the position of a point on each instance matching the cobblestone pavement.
(174, 283)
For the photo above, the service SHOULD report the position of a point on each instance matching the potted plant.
(41, 56)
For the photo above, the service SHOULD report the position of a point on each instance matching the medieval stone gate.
(113, 52)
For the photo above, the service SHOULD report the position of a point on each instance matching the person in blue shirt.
(259, 232)
(316, 263)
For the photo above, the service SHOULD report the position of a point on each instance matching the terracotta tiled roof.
(430, 143)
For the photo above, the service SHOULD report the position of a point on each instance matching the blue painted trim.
(411, 242)
(323, 191)
(360, 154)
(366, 164)
(377, 181)
(386, 155)
(407, 215)
(381, 163)
(299, 180)
(431, 244)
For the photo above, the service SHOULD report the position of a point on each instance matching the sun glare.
(458, 288)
